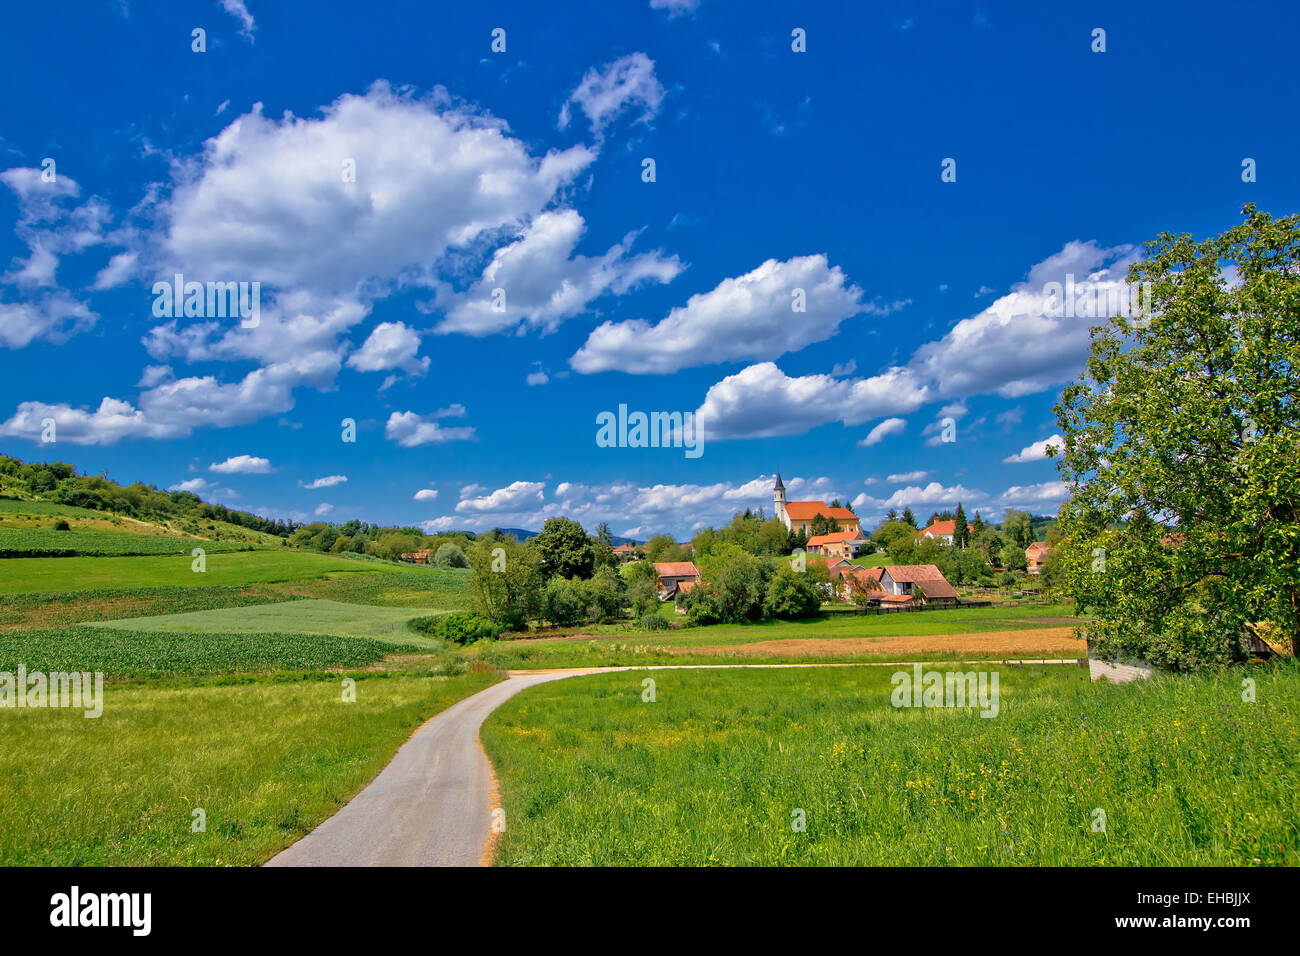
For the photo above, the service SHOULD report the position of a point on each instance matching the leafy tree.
(1018, 528)
(1013, 557)
(449, 555)
(822, 524)
(564, 549)
(737, 579)
(663, 548)
(791, 595)
(505, 581)
(1192, 419)
(564, 602)
(605, 593)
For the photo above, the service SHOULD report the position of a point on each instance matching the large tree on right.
(1182, 453)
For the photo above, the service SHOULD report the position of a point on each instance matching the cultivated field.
(715, 770)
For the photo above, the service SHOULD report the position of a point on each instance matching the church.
(798, 515)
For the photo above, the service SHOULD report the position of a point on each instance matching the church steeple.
(778, 501)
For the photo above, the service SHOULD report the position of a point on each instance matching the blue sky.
(522, 170)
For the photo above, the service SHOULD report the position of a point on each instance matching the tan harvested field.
(1050, 640)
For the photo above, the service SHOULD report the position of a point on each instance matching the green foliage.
(564, 549)
(791, 595)
(735, 583)
(1013, 557)
(450, 555)
(663, 548)
(564, 601)
(1018, 528)
(1193, 420)
(459, 628)
(652, 622)
(505, 581)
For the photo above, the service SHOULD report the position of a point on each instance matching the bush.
(564, 602)
(790, 595)
(1006, 579)
(459, 628)
(652, 622)
(449, 555)
(62, 525)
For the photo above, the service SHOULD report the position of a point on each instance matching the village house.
(676, 576)
(798, 515)
(625, 552)
(1036, 556)
(423, 556)
(923, 582)
(841, 544)
(941, 531)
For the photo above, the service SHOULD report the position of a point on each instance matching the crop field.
(37, 542)
(18, 575)
(414, 586)
(307, 616)
(121, 654)
(719, 767)
(265, 762)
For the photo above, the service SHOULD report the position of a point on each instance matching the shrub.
(791, 594)
(449, 555)
(62, 525)
(652, 622)
(459, 628)
(564, 602)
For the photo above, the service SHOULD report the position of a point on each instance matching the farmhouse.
(940, 531)
(842, 544)
(423, 556)
(676, 576)
(798, 515)
(1036, 556)
(922, 582)
(624, 552)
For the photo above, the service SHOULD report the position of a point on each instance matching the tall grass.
(716, 770)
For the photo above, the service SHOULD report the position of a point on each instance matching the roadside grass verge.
(306, 616)
(714, 771)
(267, 762)
(124, 654)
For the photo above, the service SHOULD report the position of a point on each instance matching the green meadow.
(266, 762)
(18, 575)
(719, 769)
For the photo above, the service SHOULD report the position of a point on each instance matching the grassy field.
(266, 762)
(18, 575)
(308, 616)
(714, 771)
(38, 542)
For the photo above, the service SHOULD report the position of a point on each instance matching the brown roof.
(623, 549)
(807, 510)
(930, 579)
(1039, 546)
(685, 586)
(676, 569)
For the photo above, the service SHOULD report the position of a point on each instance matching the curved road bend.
(431, 806)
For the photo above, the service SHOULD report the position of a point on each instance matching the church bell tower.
(778, 501)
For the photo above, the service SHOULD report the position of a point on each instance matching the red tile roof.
(807, 510)
(942, 527)
(676, 569)
(836, 537)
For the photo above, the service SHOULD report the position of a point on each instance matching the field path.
(432, 805)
